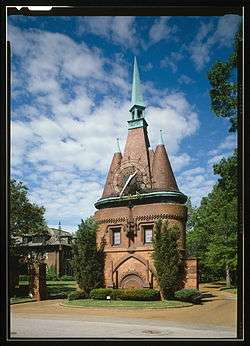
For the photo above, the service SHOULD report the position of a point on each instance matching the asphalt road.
(107, 327)
(215, 318)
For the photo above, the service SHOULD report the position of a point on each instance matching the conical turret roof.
(108, 190)
(162, 173)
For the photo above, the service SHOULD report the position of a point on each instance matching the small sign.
(108, 298)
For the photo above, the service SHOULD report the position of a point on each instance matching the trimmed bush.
(143, 294)
(191, 295)
(102, 293)
(67, 278)
(77, 295)
(138, 294)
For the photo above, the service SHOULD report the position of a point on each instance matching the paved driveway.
(216, 318)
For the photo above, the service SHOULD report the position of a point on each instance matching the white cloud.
(118, 29)
(63, 138)
(179, 162)
(195, 183)
(209, 36)
(229, 143)
(171, 61)
(184, 79)
(176, 117)
(160, 30)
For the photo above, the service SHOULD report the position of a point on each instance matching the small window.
(117, 236)
(148, 234)
(139, 113)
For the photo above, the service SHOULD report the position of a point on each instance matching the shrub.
(51, 274)
(167, 258)
(21, 291)
(67, 278)
(138, 294)
(77, 295)
(125, 294)
(102, 293)
(191, 295)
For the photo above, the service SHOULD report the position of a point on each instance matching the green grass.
(63, 283)
(18, 300)
(56, 289)
(127, 304)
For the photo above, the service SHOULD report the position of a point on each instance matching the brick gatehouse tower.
(140, 188)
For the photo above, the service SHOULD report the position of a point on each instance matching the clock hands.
(127, 183)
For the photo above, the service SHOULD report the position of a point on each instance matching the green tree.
(88, 259)
(167, 258)
(25, 217)
(214, 235)
(190, 212)
(223, 80)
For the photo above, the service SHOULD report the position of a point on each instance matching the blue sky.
(71, 89)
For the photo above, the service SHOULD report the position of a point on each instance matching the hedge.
(77, 295)
(191, 295)
(102, 293)
(125, 294)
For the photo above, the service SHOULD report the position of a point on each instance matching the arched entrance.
(131, 281)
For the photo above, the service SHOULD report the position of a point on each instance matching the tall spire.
(137, 104)
(137, 99)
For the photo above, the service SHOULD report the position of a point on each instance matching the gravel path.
(216, 318)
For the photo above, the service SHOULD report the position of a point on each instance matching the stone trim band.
(141, 218)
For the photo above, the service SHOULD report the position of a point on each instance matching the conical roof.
(108, 190)
(162, 173)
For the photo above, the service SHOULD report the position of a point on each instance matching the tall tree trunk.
(228, 277)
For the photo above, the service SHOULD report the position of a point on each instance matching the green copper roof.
(137, 98)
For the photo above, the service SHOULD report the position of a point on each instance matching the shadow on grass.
(57, 292)
(208, 295)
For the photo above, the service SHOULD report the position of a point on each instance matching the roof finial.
(118, 145)
(161, 138)
(137, 98)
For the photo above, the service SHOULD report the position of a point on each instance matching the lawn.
(60, 289)
(56, 289)
(17, 300)
(127, 304)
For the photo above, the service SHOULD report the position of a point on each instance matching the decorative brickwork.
(140, 189)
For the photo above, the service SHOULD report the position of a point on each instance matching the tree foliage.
(88, 259)
(214, 235)
(25, 217)
(167, 258)
(222, 77)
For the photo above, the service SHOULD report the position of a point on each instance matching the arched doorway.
(131, 281)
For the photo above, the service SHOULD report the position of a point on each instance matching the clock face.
(137, 183)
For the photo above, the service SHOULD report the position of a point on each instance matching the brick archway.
(126, 257)
(131, 280)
